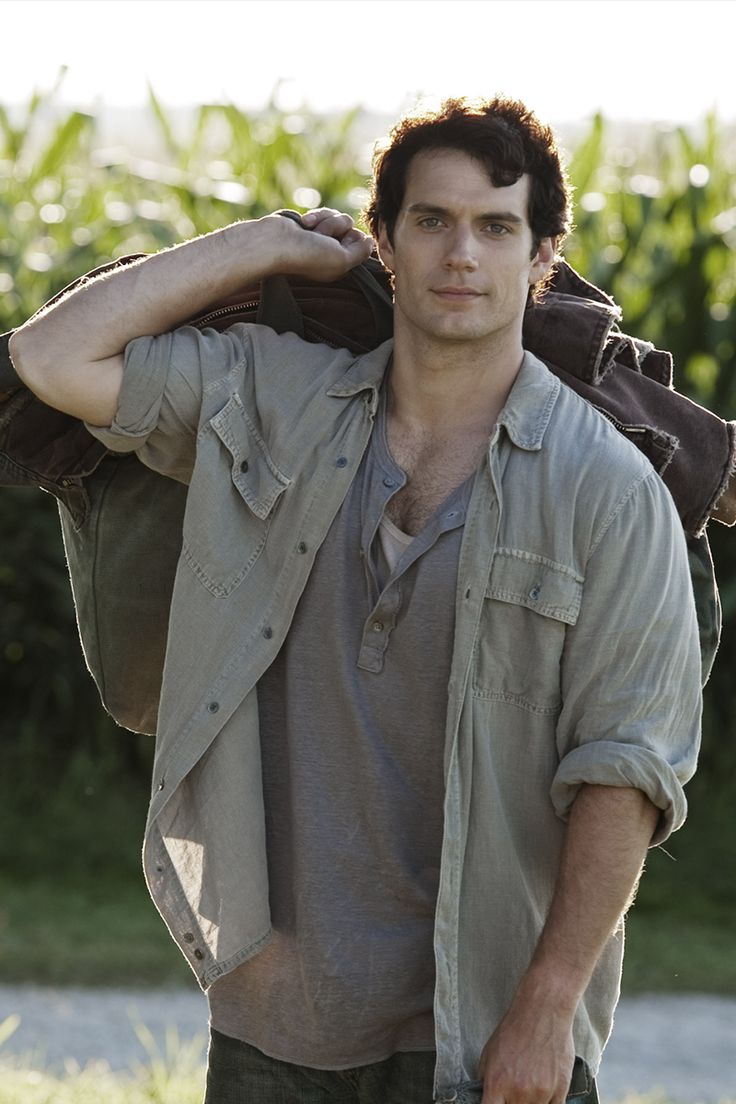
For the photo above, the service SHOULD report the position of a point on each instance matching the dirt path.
(685, 1046)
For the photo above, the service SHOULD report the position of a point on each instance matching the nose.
(461, 251)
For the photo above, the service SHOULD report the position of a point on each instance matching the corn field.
(655, 226)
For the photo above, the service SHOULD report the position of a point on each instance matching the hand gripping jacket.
(121, 521)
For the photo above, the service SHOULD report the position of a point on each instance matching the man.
(432, 681)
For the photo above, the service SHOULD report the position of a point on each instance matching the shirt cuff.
(606, 763)
(141, 394)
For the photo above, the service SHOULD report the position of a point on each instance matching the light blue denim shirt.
(575, 657)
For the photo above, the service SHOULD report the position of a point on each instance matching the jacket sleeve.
(165, 379)
(631, 664)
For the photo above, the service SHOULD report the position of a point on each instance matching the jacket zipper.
(237, 307)
(223, 311)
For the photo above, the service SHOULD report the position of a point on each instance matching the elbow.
(59, 375)
(27, 356)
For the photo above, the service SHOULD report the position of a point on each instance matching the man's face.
(462, 252)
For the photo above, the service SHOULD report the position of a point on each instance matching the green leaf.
(66, 142)
(164, 123)
(587, 157)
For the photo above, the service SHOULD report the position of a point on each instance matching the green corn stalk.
(651, 229)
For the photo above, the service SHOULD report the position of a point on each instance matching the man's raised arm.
(71, 355)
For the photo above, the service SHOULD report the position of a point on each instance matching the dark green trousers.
(239, 1074)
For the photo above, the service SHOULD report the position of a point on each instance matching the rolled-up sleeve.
(164, 379)
(631, 666)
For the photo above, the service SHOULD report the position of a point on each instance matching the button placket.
(377, 630)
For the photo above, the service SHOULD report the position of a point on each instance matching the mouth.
(457, 294)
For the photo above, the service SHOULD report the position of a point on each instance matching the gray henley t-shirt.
(352, 720)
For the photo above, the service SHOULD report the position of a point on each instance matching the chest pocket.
(529, 603)
(232, 497)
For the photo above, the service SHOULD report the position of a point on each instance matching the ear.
(543, 260)
(385, 248)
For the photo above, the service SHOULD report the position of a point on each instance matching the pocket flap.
(526, 579)
(254, 473)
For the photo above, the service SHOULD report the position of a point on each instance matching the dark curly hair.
(502, 134)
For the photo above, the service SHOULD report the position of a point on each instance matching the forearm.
(607, 838)
(152, 295)
(78, 341)
(530, 1054)
(71, 355)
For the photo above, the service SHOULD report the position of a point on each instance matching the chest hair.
(433, 470)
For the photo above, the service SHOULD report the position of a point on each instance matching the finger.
(335, 227)
(333, 224)
(311, 218)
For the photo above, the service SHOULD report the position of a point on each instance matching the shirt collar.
(530, 403)
(366, 372)
(525, 416)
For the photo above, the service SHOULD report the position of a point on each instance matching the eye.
(497, 229)
(430, 222)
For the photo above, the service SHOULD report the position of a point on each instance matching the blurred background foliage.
(656, 227)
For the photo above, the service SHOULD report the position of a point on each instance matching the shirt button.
(213, 707)
(301, 547)
(198, 953)
(534, 592)
(243, 465)
(342, 462)
(161, 784)
(188, 937)
(377, 626)
(389, 482)
(268, 632)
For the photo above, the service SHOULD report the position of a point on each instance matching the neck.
(459, 386)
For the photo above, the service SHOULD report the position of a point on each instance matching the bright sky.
(635, 59)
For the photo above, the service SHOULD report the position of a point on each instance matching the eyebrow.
(433, 209)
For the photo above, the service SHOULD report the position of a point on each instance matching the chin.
(462, 333)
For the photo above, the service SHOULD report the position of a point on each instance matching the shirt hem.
(345, 1065)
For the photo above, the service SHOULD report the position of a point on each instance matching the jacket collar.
(577, 317)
